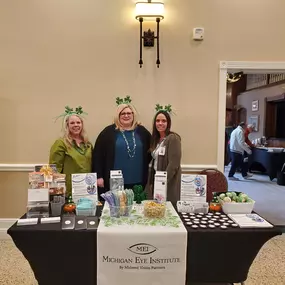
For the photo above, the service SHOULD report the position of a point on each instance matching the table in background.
(67, 257)
(264, 161)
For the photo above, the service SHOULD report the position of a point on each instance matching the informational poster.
(84, 185)
(193, 188)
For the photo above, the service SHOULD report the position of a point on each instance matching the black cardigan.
(104, 153)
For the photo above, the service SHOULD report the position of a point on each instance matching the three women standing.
(124, 145)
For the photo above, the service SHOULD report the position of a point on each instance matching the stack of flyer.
(250, 221)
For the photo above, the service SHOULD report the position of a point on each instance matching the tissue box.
(85, 207)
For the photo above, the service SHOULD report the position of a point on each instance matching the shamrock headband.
(69, 112)
(126, 100)
(167, 108)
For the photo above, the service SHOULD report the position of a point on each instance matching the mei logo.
(142, 248)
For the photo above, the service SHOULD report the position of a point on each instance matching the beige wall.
(246, 98)
(13, 191)
(58, 52)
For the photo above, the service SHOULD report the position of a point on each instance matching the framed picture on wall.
(254, 106)
(254, 120)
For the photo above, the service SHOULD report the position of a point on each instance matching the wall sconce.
(152, 11)
(234, 77)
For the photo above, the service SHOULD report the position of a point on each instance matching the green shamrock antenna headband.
(126, 100)
(167, 108)
(69, 112)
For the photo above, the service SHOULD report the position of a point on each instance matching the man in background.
(238, 147)
(250, 128)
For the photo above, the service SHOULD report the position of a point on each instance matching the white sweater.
(237, 143)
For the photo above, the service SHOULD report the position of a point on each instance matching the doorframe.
(248, 67)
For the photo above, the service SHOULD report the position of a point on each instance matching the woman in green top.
(72, 153)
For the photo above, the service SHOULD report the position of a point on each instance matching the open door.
(270, 119)
(242, 115)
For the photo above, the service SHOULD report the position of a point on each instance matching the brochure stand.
(38, 203)
(116, 180)
(160, 186)
(85, 193)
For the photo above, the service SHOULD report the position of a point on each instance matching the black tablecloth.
(270, 162)
(68, 257)
(223, 255)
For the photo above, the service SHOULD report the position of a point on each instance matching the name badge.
(161, 150)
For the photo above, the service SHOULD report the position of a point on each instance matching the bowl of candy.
(154, 209)
(235, 202)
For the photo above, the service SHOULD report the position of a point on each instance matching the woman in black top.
(124, 146)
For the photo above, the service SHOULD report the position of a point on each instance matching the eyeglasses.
(126, 114)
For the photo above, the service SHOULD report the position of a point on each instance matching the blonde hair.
(66, 133)
(120, 109)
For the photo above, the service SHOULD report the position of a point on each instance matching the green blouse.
(70, 160)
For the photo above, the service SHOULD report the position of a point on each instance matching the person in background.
(237, 148)
(166, 153)
(248, 130)
(72, 152)
(124, 145)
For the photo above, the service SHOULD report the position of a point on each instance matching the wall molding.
(30, 167)
(5, 224)
(18, 167)
(197, 167)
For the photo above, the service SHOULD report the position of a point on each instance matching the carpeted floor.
(267, 269)
(269, 197)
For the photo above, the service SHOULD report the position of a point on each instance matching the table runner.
(140, 250)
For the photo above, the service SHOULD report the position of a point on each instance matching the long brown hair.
(155, 137)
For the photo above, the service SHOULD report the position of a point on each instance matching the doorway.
(246, 67)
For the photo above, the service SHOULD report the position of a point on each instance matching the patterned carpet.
(267, 269)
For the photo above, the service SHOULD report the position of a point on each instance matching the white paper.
(84, 185)
(161, 151)
(116, 174)
(38, 195)
(193, 188)
(250, 221)
(24, 222)
(192, 207)
(50, 220)
(160, 186)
